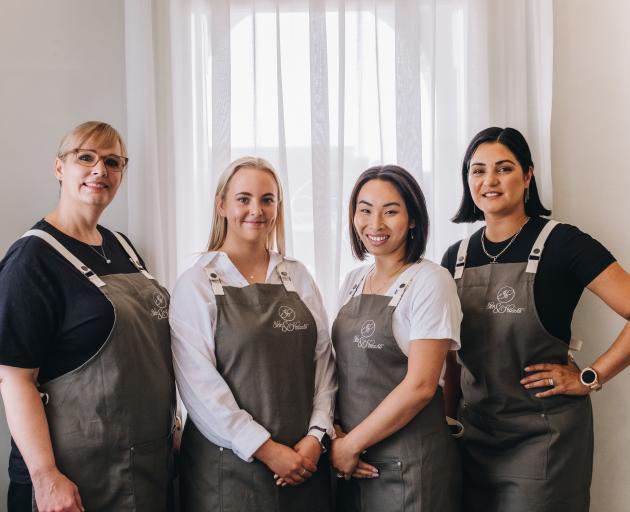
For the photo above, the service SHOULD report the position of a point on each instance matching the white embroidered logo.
(505, 296)
(161, 306)
(365, 340)
(287, 322)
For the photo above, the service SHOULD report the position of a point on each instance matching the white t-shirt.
(207, 397)
(429, 308)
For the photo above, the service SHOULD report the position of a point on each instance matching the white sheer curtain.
(323, 89)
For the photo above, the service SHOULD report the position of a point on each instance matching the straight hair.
(513, 140)
(412, 195)
(275, 239)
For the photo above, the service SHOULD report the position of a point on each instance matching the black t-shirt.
(51, 316)
(570, 260)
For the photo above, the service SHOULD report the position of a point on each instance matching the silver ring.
(303, 472)
(340, 475)
(551, 383)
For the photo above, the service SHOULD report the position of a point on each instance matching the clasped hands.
(345, 458)
(291, 466)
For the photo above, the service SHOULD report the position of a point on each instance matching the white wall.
(61, 63)
(591, 187)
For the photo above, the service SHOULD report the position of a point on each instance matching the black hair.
(412, 195)
(516, 143)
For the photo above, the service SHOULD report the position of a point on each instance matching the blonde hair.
(275, 239)
(102, 134)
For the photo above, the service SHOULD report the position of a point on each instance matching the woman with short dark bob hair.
(397, 320)
(528, 428)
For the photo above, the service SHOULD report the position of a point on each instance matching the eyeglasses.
(89, 158)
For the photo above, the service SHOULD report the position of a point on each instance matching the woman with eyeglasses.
(528, 426)
(85, 364)
(253, 360)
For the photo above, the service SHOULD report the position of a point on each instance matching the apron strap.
(402, 287)
(355, 287)
(215, 282)
(285, 277)
(539, 244)
(72, 259)
(133, 257)
(460, 263)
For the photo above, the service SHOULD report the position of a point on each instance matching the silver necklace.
(101, 252)
(494, 257)
(387, 282)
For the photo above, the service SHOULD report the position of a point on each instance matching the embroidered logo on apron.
(505, 296)
(287, 322)
(161, 306)
(365, 340)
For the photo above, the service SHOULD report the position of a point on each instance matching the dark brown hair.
(412, 195)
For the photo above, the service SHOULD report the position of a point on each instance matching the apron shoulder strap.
(357, 283)
(537, 249)
(460, 262)
(72, 259)
(215, 282)
(133, 257)
(402, 287)
(285, 277)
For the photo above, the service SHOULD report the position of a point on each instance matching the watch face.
(588, 376)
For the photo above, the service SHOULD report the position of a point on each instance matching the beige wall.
(61, 63)
(590, 142)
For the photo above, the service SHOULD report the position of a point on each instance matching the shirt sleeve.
(586, 257)
(206, 395)
(435, 311)
(325, 376)
(28, 314)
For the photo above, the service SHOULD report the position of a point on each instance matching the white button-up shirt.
(206, 395)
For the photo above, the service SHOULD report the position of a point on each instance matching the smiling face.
(88, 187)
(381, 219)
(496, 180)
(250, 205)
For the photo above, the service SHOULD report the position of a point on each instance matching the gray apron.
(265, 341)
(519, 453)
(418, 465)
(111, 419)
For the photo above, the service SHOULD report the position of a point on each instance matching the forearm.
(28, 425)
(616, 358)
(397, 409)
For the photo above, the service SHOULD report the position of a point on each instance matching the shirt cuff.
(248, 440)
(317, 432)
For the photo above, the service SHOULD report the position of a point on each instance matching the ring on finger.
(340, 475)
(551, 382)
(303, 472)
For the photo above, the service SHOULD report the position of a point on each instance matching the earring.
(474, 209)
(527, 194)
(411, 232)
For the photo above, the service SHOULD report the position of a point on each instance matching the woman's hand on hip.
(287, 465)
(54, 492)
(559, 378)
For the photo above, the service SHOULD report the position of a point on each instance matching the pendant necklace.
(494, 257)
(101, 251)
(387, 281)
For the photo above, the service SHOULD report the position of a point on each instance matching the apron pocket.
(152, 471)
(387, 491)
(515, 447)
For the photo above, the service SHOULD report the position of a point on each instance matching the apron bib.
(418, 465)
(265, 342)
(111, 419)
(520, 453)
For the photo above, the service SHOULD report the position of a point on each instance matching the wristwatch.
(589, 377)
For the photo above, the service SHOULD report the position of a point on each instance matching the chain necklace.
(101, 251)
(387, 281)
(494, 257)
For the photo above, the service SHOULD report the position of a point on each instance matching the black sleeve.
(586, 257)
(27, 307)
(449, 257)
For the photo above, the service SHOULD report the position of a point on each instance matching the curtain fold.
(323, 89)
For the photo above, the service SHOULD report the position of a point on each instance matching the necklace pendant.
(108, 261)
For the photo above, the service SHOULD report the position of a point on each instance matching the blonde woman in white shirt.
(253, 359)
